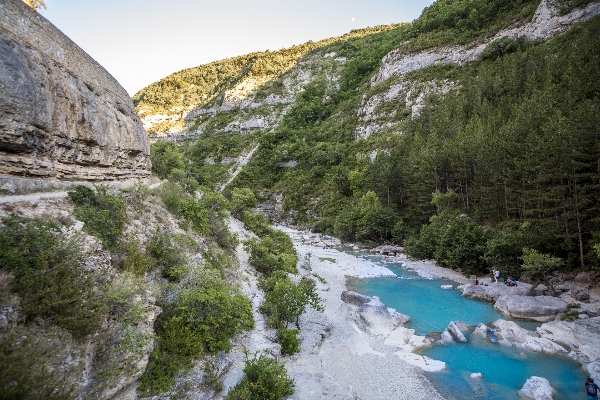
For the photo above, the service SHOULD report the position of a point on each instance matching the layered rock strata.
(62, 115)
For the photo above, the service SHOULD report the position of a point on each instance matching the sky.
(142, 41)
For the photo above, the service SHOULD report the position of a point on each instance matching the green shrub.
(538, 265)
(242, 199)
(103, 213)
(264, 379)
(462, 244)
(288, 339)
(285, 300)
(28, 244)
(274, 252)
(160, 372)
(203, 319)
(257, 223)
(210, 377)
(134, 259)
(183, 205)
(570, 315)
(49, 278)
(216, 204)
(166, 255)
(423, 245)
(165, 157)
(25, 373)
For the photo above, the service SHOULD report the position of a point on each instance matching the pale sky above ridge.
(142, 41)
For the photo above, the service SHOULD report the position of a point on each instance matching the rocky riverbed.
(358, 348)
(349, 351)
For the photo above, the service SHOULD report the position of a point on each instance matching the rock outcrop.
(491, 292)
(62, 115)
(538, 308)
(547, 22)
(537, 388)
(510, 334)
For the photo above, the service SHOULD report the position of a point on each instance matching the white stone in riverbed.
(455, 331)
(476, 375)
(447, 337)
(481, 330)
(537, 388)
(446, 287)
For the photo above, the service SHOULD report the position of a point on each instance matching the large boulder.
(377, 317)
(582, 278)
(510, 334)
(492, 291)
(537, 388)
(538, 308)
(354, 298)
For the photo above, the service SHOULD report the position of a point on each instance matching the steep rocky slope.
(62, 115)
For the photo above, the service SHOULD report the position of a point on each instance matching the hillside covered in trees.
(480, 164)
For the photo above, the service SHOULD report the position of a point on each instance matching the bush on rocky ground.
(103, 213)
(264, 379)
(48, 276)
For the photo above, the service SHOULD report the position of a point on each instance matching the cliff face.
(62, 115)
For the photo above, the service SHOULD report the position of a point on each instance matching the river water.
(431, 308)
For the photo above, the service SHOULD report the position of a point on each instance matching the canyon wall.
(62, 115)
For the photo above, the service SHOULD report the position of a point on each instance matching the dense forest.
(501, 171)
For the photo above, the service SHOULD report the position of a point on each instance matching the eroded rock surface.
(62, 115)
(493, 291)
(537, 308)
(537, 388)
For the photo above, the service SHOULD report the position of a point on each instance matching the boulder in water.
(511, 334)
(538, 308)
(537, 388)
(480, 330)
(446, 287)
(456, 333)
(446, 337)
(476, 375)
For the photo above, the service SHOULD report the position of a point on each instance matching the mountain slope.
(504, 134)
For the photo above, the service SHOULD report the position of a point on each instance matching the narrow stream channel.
(431, 308)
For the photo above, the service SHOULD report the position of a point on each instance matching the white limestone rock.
(582, 336)
(537, 388)
(480, 330)
(511, 334)
(537, 308)
(493, 291)
(456, 333)
(447, 337)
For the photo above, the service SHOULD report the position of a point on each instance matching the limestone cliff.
(62, 115)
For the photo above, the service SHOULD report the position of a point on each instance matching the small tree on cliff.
(35, 4)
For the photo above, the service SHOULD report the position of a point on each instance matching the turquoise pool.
(431, 308)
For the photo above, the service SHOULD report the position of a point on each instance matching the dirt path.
(33, 197)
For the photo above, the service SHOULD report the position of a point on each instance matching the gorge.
(228, 259)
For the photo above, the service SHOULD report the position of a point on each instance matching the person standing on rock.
(591, 389)
(496, 275)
